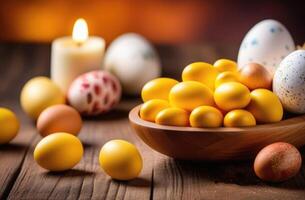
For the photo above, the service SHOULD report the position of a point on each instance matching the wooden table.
(161, 177)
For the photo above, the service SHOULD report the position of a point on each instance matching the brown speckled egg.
(59, 118)
(94, 92)
(277, 162)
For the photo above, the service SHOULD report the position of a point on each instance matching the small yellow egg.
(232, 95)
(173, 117)
(157, 88)
(201, 72)
(223, 65)
(206, 117)
(190, 94)
(9, 125)
(151, 108)
(58, 151)
(121, 160)
(239, 118)
(38, 94)
(225, 77)
(265, 106)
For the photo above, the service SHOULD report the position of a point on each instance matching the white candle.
(73, 56)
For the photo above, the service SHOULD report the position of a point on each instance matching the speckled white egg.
(289, 82)
(94, 92)
(267, 43)
(133, 60)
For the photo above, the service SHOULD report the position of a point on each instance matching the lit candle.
(73, 56)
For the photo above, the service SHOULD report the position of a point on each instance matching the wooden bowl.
(216, 144)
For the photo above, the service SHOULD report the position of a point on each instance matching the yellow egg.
(201, 72)
(232, 95)
(58, 151)
(121, 160)
(206, 117)
(223, 65)
(190, 94)
(9, 125)
(158, 88)
(173, 117)
(225, 77)
(38, 94)
(151, 108)
(265, 106)
(239, 118)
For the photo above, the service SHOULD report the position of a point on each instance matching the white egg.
(94, 92)
(289, 82)
(267, 43)
(133, 60)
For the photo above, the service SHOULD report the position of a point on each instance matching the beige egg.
(59, 118)
(254, 76)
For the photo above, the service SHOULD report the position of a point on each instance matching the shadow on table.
(91, 145)
(236, 172)
(121, 111)
(13, 147)
(137, 182)
(111, 115)
(71, 173)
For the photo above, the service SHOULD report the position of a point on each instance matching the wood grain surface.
(161, 177)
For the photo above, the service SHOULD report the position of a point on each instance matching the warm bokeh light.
(80, 31)
(160, 21)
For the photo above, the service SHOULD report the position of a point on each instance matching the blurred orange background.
(161, 21)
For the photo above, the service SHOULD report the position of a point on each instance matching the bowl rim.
(135, 118)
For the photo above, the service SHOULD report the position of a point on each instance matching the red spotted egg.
(94, 92)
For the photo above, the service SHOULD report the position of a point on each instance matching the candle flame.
(80, 31)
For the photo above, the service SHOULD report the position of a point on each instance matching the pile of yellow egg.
(212, 96)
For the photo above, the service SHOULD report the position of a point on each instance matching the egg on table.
(94, 92)
(133, 60)
(9, 125)
(38, 94)
(267, 43)
(58, 151)
(121, 160)
(289, 82)
(277, 162)
(59, 118)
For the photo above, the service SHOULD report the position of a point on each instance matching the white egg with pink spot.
(94, 93)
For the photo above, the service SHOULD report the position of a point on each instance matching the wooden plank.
(198, 180)
(13, 71)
